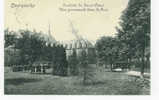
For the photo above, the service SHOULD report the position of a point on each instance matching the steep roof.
(77, 44)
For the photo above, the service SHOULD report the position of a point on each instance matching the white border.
(154, 66)
(154, 47)
(1, 47)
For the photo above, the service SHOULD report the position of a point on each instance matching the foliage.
(32, 48)
(60, 62)
(134, 33)
(73, 62)
(84, 65)
(10, 38)
(83, 60)
(91, 55)
(107, 50)
(11, 56)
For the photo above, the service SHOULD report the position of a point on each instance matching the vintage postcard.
(77, 47)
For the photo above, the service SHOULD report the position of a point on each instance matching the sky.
(88, 24)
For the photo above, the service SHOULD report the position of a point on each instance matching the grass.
(105, 83)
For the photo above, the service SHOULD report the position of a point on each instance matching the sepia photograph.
(77, 47)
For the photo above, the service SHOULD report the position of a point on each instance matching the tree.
(73, 62)
(60, 62)
(24, 45)
(64, 63)
(30, 46)
(84, 64)
(10, 38)
(107, 50)
(135, 29)
(91, 55)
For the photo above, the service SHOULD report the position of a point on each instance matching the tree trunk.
(111, 67)
(128, 65)
(35, 70)
(105, 65)
(143, 63)
(84, 78)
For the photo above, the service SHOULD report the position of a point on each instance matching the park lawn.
(106, 83)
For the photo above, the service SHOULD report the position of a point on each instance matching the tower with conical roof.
(51, 39)
(79, 44)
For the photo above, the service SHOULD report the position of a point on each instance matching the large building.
(78, 46)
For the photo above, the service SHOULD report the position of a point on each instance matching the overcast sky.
(90, 25)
